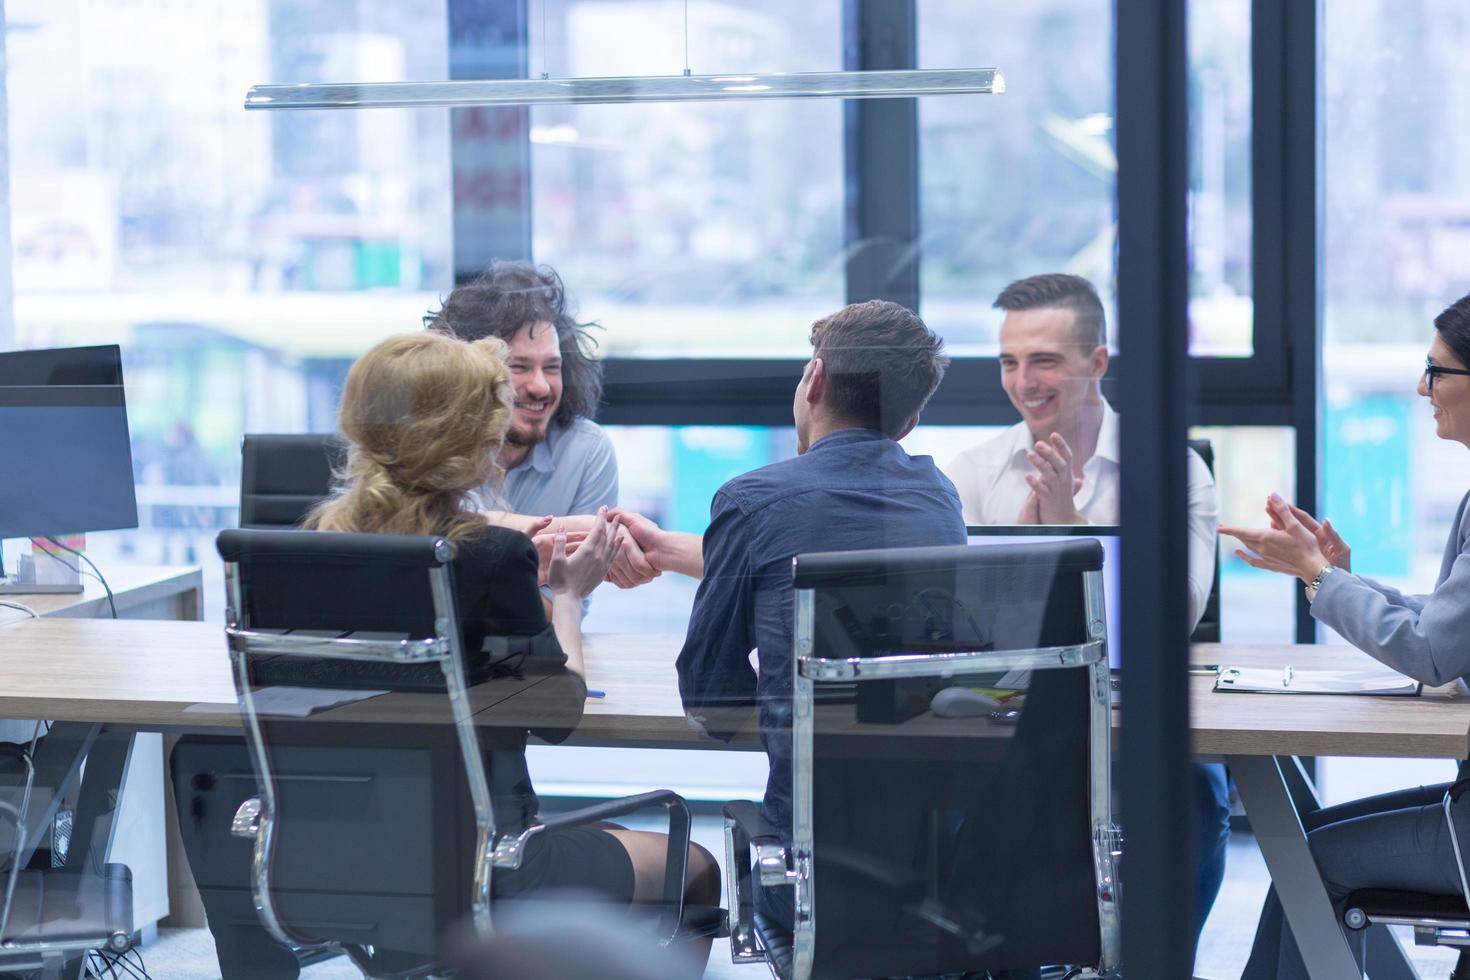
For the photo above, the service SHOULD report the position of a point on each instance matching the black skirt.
(580, 859)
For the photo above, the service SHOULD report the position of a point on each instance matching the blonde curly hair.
(424, 415)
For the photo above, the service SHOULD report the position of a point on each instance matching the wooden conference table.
(174, 676)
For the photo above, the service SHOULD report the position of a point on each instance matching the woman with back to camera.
(424, 415)
(1398, 840)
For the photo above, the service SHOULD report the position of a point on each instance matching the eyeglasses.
(1431, 369)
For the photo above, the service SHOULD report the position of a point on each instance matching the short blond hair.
(424, 415)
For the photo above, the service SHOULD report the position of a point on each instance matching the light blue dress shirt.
(573, 471)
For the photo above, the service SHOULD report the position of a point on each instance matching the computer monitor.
(993, 534)
(64, 449)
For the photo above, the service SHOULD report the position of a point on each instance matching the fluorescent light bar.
(656, 88)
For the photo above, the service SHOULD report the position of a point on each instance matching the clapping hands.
(1053, 486)
(1295, 543)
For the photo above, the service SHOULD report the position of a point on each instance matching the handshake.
(642, 551)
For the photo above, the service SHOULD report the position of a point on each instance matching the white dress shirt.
(991, 479)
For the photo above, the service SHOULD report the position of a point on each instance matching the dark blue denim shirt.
(852, 490)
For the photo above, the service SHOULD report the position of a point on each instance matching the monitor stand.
(8, 587)
(22, 581)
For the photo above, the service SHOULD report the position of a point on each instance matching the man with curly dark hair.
(556, 459)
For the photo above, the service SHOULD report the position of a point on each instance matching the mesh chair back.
(940, 845)
(364, 837)
(283, 476)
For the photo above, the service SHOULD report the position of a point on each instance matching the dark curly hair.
(511, 295)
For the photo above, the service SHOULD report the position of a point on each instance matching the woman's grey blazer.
(1424, 636)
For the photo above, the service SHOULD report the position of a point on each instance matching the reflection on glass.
(1395, 243)
(1251, 462)
(1220, 307)
(241, 261)
(1032, 190)
(711, 230)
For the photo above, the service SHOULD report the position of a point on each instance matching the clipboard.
(1377, 681)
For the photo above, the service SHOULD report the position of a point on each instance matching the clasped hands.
(1295, 543)
(635, 551)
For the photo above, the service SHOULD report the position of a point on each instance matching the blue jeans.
(1211, 835)
(1397, 840)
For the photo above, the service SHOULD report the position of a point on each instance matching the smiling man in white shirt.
(1059, 465)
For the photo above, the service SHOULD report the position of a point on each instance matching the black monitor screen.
(65, 461)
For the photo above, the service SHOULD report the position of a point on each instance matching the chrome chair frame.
(48, 957)
(1445, 927)
(255, 819)
(778, 865)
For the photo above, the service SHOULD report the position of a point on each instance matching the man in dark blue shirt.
(873, 367)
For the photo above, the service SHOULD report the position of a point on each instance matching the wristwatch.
(1316, 583)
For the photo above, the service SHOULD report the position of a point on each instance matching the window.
(1029, 188)
(709, 229)
(1397, 251)
(241, 259)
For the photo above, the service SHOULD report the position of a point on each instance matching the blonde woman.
(424, 415)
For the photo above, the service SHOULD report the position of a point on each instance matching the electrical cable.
(21, 606)
(95, 570)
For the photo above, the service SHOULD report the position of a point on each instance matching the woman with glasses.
(1399, 840)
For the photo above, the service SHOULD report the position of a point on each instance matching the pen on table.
(1207, 669)
(593, 693)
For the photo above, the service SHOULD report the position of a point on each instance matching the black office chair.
(283, 476)
(926, 845)
(368, 837)
(1437, 920)
(1207, 630)
(54, 915)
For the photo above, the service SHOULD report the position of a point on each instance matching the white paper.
(1287, 680)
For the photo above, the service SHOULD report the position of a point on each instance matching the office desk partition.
(138, 591)
(175, 676)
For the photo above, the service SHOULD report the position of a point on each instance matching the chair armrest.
(510, 849)
(616, 808)
(751, 820)
(22, 755)
(746, 827)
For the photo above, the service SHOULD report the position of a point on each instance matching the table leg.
(1385, 956)
(1386, 959)
(58, 761)
(102, 783)
(1278, 828)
